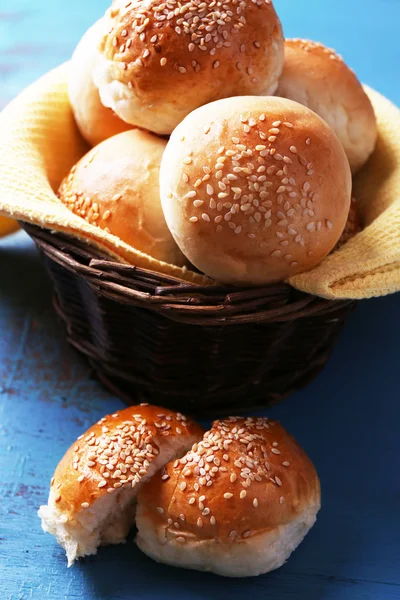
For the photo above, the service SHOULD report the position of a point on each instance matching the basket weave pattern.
(200, 349)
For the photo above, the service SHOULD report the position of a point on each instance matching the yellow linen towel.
(39, 143)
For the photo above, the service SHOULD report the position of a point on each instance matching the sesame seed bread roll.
(237, 504)
(92, 499)
(317, 77)
(255, 189)
(95, 122)
(159, 61)
(116, 187)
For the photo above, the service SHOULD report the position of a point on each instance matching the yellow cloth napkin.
(39, 143)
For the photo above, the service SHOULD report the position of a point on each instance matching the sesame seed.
(232, 534)
(213, 520)
(85, 504)
(246, 534)
(163, 61)
(227, 495)
(199, 522)
(243, 494)
(286, 463)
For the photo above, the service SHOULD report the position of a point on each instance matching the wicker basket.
(203, 350)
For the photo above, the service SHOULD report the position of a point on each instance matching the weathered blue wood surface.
(348, 419)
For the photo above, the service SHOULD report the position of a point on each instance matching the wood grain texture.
(347, 420)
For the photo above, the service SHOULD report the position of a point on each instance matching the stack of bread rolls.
(217, 143)
(235, 500)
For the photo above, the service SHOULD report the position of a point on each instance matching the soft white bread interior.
(93, 492)
(237, 504)
(317, 77)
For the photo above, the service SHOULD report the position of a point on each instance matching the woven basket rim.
(202, 305)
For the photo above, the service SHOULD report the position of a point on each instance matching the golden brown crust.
(180, 59)
(96, 122)
(114, 453)
(318, 77)
(255, 189)
(245, 477)
(115, 186)
(7, 226)
(353, 225)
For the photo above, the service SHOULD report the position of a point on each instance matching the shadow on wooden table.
(124, 572)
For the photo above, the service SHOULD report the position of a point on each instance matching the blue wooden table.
(348, 420)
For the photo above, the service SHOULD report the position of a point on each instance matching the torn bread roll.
(255, 189)
(95, 122)
(237, 504)
(318, 78)
(157, 62)
(93, 492)
(116, 187)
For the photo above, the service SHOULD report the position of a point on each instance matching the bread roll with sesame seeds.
(92, 499)
(116, 187)
(237, 504)
(318, 78)
(158, 61)
(95, 122)
(255, 189)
